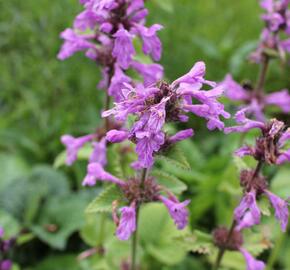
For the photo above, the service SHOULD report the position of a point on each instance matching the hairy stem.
(223, 250)
(262, 76)
(135, 235)
(234, 223)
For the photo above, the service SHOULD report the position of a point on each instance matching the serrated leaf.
(158, 232)
(256, 242)
(169, 181)
(9, 224)
(103, 202)
(197, 241)
(59, 218)
(97, 229)
(175, 157)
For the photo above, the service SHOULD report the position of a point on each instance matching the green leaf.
(98, 228)
(103, 202)
(169, 181)
(59, 218)
(175, 157)
(9, 224)
(158, 233)
(197, 241)
(59, 262)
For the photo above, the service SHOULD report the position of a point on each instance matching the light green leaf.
(197, 241)
(103, 202)
(169, 181)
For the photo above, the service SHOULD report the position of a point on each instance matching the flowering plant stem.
(135, 235)
(234, 223)
(262, 76)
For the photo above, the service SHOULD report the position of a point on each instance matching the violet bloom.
(252, 263)
(95, 172)
(255, 104)
(5, 265)
(177, 211)
(247, 213)
(181, 135)
(281, 209)
(73, 145)
(159, 103)
(123, 48)
(151, 42)
(1, 232)
(99, 153)
(117, 81)
(127, 225)
(116, 136)
(151, 73)
(105, 30)
(246, 124)
(73, 43)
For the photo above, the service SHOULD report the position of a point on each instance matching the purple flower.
(234, 90)
(245, 151)
(246, 124)
(280, 99)
(151, 73)
(73, 43)
(95, 172)
(195, 76)
(73, 145)
(116, 136)
(117, 83)
(151, 42)
(123, 49)
(283, 157)
(5, 265)
(146, 145)
(281, 209)
(181, 135)
(177, 211)
(252, 263)
(1, 232)
(99, 153)
(127, 225)
(247, 213)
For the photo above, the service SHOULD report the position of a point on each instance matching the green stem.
(262, 76)
(276, 251)
(135, 235)
(223, 250)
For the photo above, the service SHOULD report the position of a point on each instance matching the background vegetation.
(42, 98)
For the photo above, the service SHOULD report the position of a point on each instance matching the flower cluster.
(105, 31)
(234, 242)
(277, 20)
(268, 150)
(162, 103)
(255, 101)
(5, 246)
(135, 194)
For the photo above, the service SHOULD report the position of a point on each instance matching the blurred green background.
(42, 98)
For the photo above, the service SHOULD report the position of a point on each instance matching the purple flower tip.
(247, 213)
(116, 136)
(281, 209)
(177, 211)
(123, 48)
(1, 232)
(73, 145)
(95, 172)
(127, 225)
(5, 265)
(252, 263)
(181, 135)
